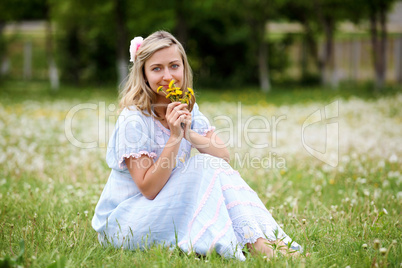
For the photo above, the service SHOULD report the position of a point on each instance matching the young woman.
(156, 192)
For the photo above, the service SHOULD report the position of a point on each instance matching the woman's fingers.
(171, 106)
(176, 106)
(180, 109)
(175, 110)
(176, 126)
(176, 114)
(173, 117)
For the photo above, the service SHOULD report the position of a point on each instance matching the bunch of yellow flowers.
(176, 94)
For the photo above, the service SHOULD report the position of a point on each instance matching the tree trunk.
(181, 28)
(53, 72)
(121, 42)
(311, 48)
(383, 48)
(263, 67)
(5, 61)
(328, 63)
(398, 59)
(355, 58)
(379, 46)
(303, 60)
(27, 60)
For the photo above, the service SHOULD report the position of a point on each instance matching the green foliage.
(87, 38)
(278, 57)
(222, 38)
(16, 10)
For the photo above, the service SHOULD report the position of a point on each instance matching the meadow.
(343, 205)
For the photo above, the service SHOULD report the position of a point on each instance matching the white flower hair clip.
(134, 46)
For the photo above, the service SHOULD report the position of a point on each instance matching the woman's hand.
(187, 126)
(176, 114)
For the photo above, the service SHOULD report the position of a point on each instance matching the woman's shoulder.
(134, 111)
(133, 114)
(130, 110)
(195, 109)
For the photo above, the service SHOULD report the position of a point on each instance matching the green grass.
(283, 94)
(49, 189)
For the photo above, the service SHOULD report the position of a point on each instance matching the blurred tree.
(95, 34)
(321, 17)
(74, 37)
(279, 57)
(93, 40)
(230, 50)
(237, 42)
(120, 18)
(256, 14)
(375, 12)
(216, 44)
(15, 11)
(53, 71)
(330, 13)
(304, 13)
(183, 13)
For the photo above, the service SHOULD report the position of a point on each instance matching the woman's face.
(163, 66)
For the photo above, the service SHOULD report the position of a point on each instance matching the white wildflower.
(366, 192)
(393, 158)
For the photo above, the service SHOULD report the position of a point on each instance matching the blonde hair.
(136, 91)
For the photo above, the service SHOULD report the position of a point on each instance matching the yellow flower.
(171, 83)
(191, 91)
(176, 94)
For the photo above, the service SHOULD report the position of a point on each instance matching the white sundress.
(204, 206)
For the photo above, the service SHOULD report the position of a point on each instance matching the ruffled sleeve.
(132, 137)
(200, 122)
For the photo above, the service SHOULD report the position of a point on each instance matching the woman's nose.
(167, 76)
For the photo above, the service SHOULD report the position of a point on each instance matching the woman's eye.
(156, 69)
(175, 66)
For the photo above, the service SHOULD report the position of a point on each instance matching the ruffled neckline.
(162, 127)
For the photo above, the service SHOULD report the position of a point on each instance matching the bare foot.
(269, 248)
(260, 247)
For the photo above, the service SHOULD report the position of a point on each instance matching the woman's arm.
(208, 144)
(149, 176)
